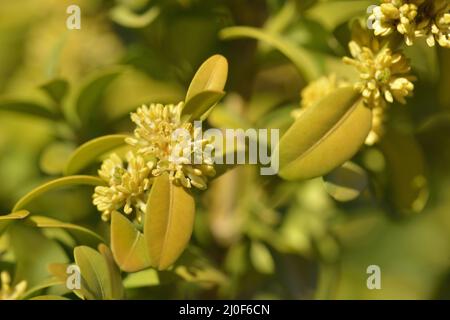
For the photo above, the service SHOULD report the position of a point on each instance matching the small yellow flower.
(414, 19)
(9, 293)
(384, 75)
(127, 187)
(177, 146)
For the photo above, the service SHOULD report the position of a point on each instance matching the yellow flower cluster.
(126, 188)
(177, 146)
(10, 293)
(414, 19)
(162, 143)
(384, 74)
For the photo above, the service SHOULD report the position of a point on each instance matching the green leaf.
(128, 244)
(94, 271)
(261, 258)
(169, 222)
(56, 89)
(211, 76)
(200, 104)
(324, 136)
(346, 182)
(117, 289)
(304, 60)
(28, 108)
(54, 157)
(128, 18)
(49, 282)
(58, 183)
(79, 232)
(144, 278)
(6, 220)
(33, 253)
(91, 151)
(59, 271)
(88, 102)
(406, 170)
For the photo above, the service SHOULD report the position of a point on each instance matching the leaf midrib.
(327, 134)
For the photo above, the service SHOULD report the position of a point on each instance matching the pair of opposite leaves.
(169, 218)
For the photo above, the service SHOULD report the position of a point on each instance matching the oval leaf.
(91, 151)
(128, 244)
(94, 272)
(168, 223)
(346, 182)
(324, 136)
(58, 183)
(117, 289)
(212, 75)
(200, 104)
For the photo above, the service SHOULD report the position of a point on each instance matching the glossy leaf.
(89, 152)
(200, 104)
(117, 290)
(6, 220)
(54, 184)
(94, 271)
(211, 76)
(128, 244)
(324, 136)
(346, 182)
(169, 222)
(304, 60)
(144, 278)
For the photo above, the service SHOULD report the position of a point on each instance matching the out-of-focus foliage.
(362, 181)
